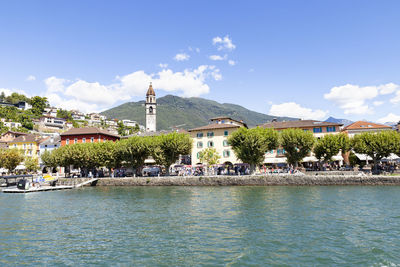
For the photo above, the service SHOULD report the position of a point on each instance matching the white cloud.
(389, 118)
(181, 57)
(292, 109)
(396, 98)
(8, 92)
(353, 98)
(378, 103)
(231, 62)
(388, 88)
(163, 65)
(218, 57)
(31, 78)
(93, 96)
(55, 84)
(223, 43)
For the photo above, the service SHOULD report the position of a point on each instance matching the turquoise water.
(214, 226)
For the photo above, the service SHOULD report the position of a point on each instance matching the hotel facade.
(215, 135)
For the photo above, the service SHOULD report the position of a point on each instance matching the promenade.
(251, 180)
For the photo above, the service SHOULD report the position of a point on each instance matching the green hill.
(186, 113)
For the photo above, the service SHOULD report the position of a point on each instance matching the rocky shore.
(257, 180)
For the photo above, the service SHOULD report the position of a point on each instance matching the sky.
(305, 59)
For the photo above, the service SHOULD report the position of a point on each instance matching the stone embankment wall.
(261, 180)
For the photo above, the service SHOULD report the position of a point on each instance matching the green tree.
(121, 129)
(209, 156)
(38, 104)
(64, 114)
(11, 159)
(133, 151)
(49, 160)
(377, 145)
(167, 148)
(250, 145)
(326, 147)
(297, 144)
(31, 164)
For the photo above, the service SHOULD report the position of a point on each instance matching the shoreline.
(248, 180)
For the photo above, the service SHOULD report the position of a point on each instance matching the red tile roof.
(298, 124)
(362, 125)
(88, 130)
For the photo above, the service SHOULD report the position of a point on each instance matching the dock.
(49, 188)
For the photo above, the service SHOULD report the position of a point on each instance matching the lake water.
(214, 226)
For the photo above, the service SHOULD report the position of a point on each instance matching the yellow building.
(215, 135)
(28, 144)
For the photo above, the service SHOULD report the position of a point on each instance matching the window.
(198, 155)
(330, 129)
(199, 135)
(199, 144)
(317, 130)
(91, 139)
(226, 133)
(210, 144)
(210, 134)
(280, 151)
(226, 153)
(67, 141)
(83, 140)
(225, 143)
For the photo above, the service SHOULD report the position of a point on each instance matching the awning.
(391, 157)
(275, 160)
(362, 156)
(310, 159)
(337, 158)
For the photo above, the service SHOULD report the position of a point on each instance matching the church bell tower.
(151, 107)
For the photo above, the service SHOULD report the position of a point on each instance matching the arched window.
(199, 144)
(151, 110)
(225, 143)
(210, 144)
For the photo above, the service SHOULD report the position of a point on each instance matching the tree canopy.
(297, 144)
(377, 145)
(250, 145)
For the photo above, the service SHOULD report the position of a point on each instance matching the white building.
(215, 135)
(52, 122)
(48, 144)
(129, 123)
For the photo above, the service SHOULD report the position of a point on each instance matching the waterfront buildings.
(151, 110)
(364, 126)
(48, 144)
(318, 128)
(28, 144)
(87, 135)
(215, 135)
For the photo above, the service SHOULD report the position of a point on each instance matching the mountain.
(187, 113)
(342, 121)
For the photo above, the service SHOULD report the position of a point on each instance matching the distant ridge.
(342, 121)
(187, 113)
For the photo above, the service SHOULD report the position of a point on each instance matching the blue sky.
(308, 59)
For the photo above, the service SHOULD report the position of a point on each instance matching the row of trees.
(250, 145)
(11, 158)
(132, 152)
